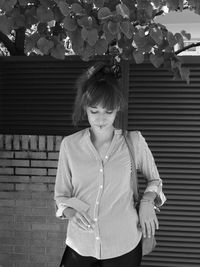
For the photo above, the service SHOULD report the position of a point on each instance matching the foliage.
(125, 29)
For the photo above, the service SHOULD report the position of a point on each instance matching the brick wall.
(30, 234)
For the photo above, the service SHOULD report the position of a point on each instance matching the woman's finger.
(88, 220)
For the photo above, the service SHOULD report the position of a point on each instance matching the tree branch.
(187, 47)
(7, 43)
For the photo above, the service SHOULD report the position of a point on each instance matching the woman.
(93, 184)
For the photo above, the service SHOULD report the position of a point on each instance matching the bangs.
(103, 94)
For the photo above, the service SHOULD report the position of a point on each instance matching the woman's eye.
(109, 112)
(93, 112)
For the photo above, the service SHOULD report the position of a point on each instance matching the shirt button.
(106, 157)
(97, 202)
(101, 186)
(101, 170)
(95, 219)
(97, 237)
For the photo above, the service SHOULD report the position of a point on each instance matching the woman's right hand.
(83, 220)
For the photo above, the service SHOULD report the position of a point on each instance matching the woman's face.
(100, 118)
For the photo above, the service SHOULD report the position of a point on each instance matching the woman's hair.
(99, 85)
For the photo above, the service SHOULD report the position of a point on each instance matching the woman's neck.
(101, 136)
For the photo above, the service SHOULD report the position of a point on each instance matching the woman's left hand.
(148, 219)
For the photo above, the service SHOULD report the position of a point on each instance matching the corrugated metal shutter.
(167, 112)
(37, 94)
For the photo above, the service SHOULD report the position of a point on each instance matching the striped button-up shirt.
(102, 188)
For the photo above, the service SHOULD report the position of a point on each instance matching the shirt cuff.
(74, 203)
(156, 186)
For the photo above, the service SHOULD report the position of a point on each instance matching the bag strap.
(134, 171)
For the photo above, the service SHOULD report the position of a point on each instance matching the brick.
(39, 235)
(42, 179)
(30, 155)
(33, 142)
(42, 143)
(6, 226)
(38, 242)
(42, 211)
(1, 141)
(7, 233)
(6, 186)
(6, 248)
(14, 179)
(53, 155)
(22, 226)
(37, 258)
(14, 162)
(54, 250)
(31, 203)
(37, 249)
(52, 172)
(31, 187)
(22, 234)
(50, 143)
(12, 241)
(44, 163)
(6, 154)
(47, 227)
(16, 142)
(20, 249)
(51, 187)
(6, 210)
(7, 218)
(25, 142)
(31, 219)
(13, 257)
(7, 203)
(6, 170)
(23, 211)
(8, 142)
(42, 195)
(31, 171)
(58, 142)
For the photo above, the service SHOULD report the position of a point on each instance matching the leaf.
(18, 21)
(30, 16)
(172, 4)
(99, 3)
(92, 36)
(88, 52)
(58, 51)
(23, 2)
(7, 5)
(64, 8)
(44, 14)
(123, 10)
(85, 22)
(113, 27)
(156, 35)
(70, 23)
(77, 41)
(77, 9)
(179, 39)
(138, 56)
(101, 47)
(156, 60)
(186, 35)
(107, 34)
(5, 25)
(125, 27)
(84, 33)
(44, 45)
(171, 39)
(31, 42)
(104, 13)
(185, 74)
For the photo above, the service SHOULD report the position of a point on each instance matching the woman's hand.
(148, 218)
(83, 220)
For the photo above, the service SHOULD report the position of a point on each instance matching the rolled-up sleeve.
(63, 186)
(146, 164)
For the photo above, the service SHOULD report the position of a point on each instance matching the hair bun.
(102, 69)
